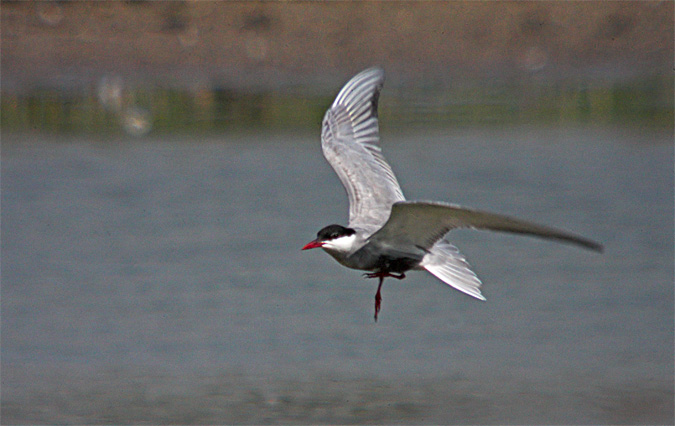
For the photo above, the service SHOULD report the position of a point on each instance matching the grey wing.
(422, 224)
(350, 142)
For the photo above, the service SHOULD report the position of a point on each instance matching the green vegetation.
(646, 102)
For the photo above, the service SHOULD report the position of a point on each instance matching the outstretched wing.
(422, 224)
(350, 142)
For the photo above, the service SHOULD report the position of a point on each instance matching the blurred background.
(161, 168)
(167, 66)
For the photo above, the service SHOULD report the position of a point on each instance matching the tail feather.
(446, 263)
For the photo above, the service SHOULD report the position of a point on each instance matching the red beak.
(312, 244)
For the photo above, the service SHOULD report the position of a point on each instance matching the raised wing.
(422, 224)
(350, 142)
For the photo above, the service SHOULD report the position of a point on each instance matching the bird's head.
(333, 237)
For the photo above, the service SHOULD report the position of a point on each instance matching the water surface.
(160, 280)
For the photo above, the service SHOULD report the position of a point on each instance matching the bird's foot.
(378, 295)
(383, 275)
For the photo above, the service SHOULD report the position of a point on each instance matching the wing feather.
(424, 223)
(350, 142)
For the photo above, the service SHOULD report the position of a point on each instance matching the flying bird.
(388, 236)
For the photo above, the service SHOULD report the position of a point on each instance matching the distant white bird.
(387, 235)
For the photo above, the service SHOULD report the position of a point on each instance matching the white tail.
(447, 264)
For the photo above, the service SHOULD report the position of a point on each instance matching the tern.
(388, 236)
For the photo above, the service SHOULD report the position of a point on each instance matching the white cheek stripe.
(341, 244)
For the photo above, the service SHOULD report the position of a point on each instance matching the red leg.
(378, 296)
(384, 275)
